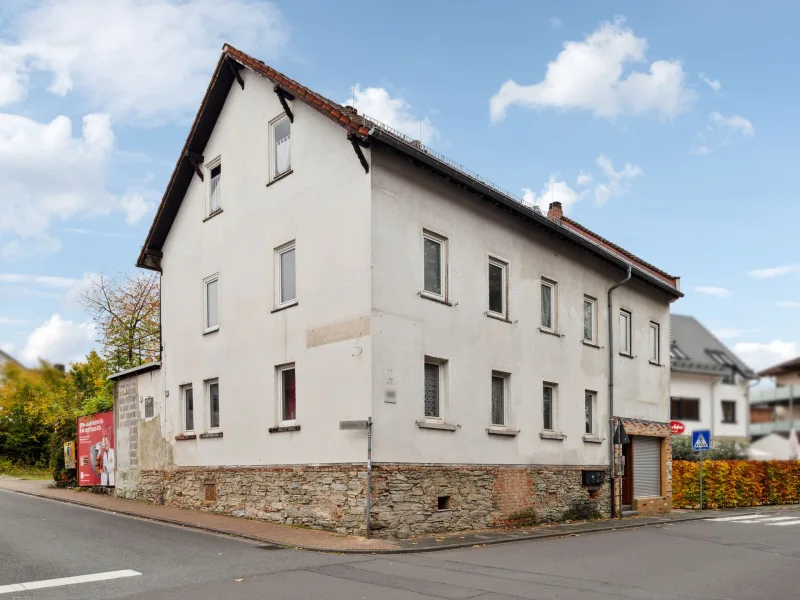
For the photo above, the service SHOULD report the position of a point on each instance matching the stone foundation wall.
(407, 500)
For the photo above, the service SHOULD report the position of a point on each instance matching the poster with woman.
(96, 457)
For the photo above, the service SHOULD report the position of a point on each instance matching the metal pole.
(701, 480)
(369, 474)
(621, 463)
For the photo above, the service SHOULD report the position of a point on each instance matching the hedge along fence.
(732, 483)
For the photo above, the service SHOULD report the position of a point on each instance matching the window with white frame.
(549, 407)
(498, 288)
(215, 187)
(625, 332)
(435, 387)
(187, 396)
(589, 406)
(589, 319)
(499, 398)
(281, 133)
(287, 394)
(548, 317)
(211, 303)
(654, 342)
(212, 402)
(285, 275)
(434, 250)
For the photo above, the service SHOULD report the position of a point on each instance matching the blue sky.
(668, 128)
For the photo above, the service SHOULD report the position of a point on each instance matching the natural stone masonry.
(407, 500)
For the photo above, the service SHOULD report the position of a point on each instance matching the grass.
(10, 468)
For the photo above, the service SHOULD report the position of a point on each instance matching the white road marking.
(739, 518)
(765, 519)
(795, 522)
(48, 583)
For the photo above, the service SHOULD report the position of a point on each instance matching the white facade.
(711, 395)
(360, 331)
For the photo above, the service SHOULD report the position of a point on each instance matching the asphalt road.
(41, 540)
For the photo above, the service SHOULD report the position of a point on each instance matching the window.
(729, 411)
(589, 314)
(729, 378)
(499, 385)
(211, 303)
(625, 332)
(434, 387)
(434, 265)
(676, 353)
(288, 394)
(548, 407)
(281, 146)
(188, 408)
(548, 305)
(215, 188)
(285, 271)
(589, 403)
(685, 409)
(497, 287)
(654, 343)
(212, 394)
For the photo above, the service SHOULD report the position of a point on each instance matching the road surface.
(43, 540)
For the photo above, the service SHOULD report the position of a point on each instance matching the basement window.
(443, 503)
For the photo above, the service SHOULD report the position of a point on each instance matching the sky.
(669, 128)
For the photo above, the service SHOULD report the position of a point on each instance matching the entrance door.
(646, 466)
(627, 496)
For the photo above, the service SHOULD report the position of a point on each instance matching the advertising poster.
(96, 459)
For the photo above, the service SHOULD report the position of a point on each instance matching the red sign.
(677, 427)
(96, 459)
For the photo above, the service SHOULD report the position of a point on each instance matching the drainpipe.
(612, 460)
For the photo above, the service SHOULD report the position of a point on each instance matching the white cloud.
(135, 207)
(734, 124)
(60, 340)
(49, 281)
(617, 183)
(759, 356)
(553, 191)
(701, 150)
(556, 23)
(788, 304)
(144, 60)
(588, 75)
(774, 271)
(727, 333)
(714, 84)
(394, 112)
(584, 178)
(710, 290)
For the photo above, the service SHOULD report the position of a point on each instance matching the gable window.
(654, 343)
(434, 387)
(548, 407)
(589, 317)
(729, 411)
(498, 282)
(212, 397)
(188, 408)
(625, 332)
(589, 403)
(288, 394)
(685, 409)
(499, 391)
(211, 303)
(281, 146)
(548, 317)
(286, 276)
(215, 188)
(434, 265)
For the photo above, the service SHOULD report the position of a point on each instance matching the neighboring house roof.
(691, 340)
(363, 130)
(785, 368)
(151, 366)
(5, 358)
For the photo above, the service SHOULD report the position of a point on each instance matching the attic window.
(281, 134)
(677, 353)
(215, 187)
(720, 358)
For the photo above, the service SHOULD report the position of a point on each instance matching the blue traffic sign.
(701, 440)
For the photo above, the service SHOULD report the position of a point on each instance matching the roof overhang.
(152, 366)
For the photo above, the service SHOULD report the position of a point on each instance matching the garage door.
(646, 467)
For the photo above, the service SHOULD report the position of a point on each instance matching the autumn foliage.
(732, 483)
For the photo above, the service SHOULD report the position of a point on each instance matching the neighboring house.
(775, 412)
(6, 358)
(709, 384)
(318, 267)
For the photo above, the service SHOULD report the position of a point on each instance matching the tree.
(127, 312)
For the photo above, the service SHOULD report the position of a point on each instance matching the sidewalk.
(323, 541)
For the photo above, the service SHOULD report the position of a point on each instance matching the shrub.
(720, 450)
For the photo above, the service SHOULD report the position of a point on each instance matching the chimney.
(555, 213)
(60, 367)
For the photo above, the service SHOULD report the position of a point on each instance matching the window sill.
(185, 436)
(502, 432)
(655, 364)
(626, 355)
(590, 344)
(279, 177)
(210, 435)
(550, 332)
(427, 296)
(441, 426)
(211, 330)
(551, 435)
(592, 439)
(284, 428)
(212, 215)
(729, 423)
(284, 307)
(497, 317)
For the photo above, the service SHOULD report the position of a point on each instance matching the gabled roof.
(698, 344)
(6, 357)
(368, 131)
(788, 367)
